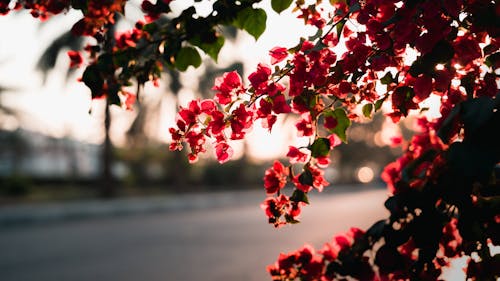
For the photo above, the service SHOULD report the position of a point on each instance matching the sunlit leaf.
(252, 21)
(367, 110)
(280, 5)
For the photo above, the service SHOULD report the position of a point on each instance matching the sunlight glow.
(365, 174)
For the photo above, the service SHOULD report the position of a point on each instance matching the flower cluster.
(307, 263)
(456, 60)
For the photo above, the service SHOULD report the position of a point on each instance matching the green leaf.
(212, 49)
(387, 79)
(252, 21)
(306, 178)
(340, 27)
(316, 36)
(492, 59)
(367, 110)
(343, 122)
(187, 56)
(280, 5)
(379, 103)
(320, 147)
(150, 27)
(299, 195)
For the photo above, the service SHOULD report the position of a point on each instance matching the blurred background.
(189, 221)
(52, 134)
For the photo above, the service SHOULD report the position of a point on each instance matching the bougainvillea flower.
(296, 156)
(422, 87)
(229, 86)
(274, 208)
(304, 125)
(76, 58)
(223, 152)
(278, 54)
(275, 178)
(260, 76)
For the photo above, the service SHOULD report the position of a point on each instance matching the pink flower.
(223, 152)
(296, 156)
(278, 54)
(229, 86)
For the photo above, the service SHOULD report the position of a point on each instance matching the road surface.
(231, 243)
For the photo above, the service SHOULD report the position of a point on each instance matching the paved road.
(231, 243)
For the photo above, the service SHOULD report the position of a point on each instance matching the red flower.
(129, 99)
(223, 152)
(274, 208)
(275, 178)
(422, 87)
(330, 122)
(296, 156)
(229, 87)
(217, 124)
(466, 50)
(280, 105)
(278, 54)
(76, 58)
(260, 76)
(305, 125)
(334, 141)
(268, 122)
(241, 121)
(318, 181)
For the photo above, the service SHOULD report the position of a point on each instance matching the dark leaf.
(299, 195)
(187, 56)
(376, 230)
(320, 147)
(476, 112)
(471, 162)
(210, 48)
(387, 79)
(447, 126)
(306, 178)
(92, 78)
(340, 27)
